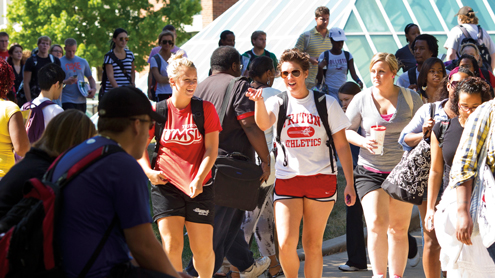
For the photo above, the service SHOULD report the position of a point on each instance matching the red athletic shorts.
(319, 187)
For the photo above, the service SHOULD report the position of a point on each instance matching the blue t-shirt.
(115, 185)
(76, 66)
(161, 89)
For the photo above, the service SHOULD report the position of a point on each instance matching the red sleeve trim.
(245, 115)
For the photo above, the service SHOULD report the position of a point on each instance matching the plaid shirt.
(476, 130)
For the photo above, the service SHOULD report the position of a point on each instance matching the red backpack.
(27, 249)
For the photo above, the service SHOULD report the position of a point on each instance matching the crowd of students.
(104, 226)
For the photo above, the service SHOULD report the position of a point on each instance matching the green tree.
(92, 22)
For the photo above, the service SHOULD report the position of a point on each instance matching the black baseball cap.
(126, 101)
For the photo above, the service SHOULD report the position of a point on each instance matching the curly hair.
(259, 66)
(470, 18)
(471, 86)
(430, 40)
(294, 55)
(7, 78)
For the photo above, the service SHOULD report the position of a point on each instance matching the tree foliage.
(92, 22)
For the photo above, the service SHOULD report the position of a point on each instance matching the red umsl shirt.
(182, 146)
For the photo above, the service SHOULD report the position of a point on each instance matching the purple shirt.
(157, 49)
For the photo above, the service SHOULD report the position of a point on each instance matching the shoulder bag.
(408, 180)
(237, 178)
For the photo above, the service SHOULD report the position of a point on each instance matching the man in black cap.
(112, 190)
(468, 28)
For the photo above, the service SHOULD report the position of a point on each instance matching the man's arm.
(27, 89)
(451, 54)
(257, 139)
(92, 86)
(147, 251)
(493, 61)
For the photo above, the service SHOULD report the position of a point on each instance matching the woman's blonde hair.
(387, 58)
(65, 130)
(177, 61)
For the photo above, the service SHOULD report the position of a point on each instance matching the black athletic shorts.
(168, 200)
(367, 181)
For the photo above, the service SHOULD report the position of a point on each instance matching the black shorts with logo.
(168, 200)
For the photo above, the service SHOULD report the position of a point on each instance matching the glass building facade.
(371, 26)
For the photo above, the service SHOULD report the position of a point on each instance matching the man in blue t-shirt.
(113, 187)
(76, 68)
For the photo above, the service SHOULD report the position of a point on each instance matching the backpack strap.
(347, 59)
(408, 97)
(465, 32)
(162, 109)
(411, 73)
(158, 60)
(121, 66)
(321, 107)
(282, 116)
(227, 96)
(198, 114)
(98, 249)
(51, 58)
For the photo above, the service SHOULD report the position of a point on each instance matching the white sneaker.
(413, 261)
(257, 268)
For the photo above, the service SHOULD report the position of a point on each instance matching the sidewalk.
(332, 262)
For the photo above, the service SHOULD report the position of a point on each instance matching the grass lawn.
(335, 225)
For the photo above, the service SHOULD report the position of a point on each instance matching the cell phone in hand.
(347, 199)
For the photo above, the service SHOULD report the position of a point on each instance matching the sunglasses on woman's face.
(294, 73)
(126, 39)
(168, 41)
(453, 84)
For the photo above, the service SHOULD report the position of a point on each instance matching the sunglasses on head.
(126, 39)
(167, 41)
(294, 73)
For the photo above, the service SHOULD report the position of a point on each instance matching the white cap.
(337, 34)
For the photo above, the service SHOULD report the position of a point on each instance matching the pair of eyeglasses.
(152, 123)
(294, 73)
(453, 84)
(168, 41)
(57, 51)
(126, 39)
(465, 108)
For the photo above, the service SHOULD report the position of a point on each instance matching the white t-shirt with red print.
(182, 146)
(304, 136)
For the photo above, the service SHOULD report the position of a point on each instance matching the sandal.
(279, 273)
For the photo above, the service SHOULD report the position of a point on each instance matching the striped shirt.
(119, 76)
(473, 138)
(316, 45)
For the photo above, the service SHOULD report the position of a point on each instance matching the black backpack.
(321, 107)
(154, 84)
(162, 109)
(347, 55)
(28, 249)
(411, 73)
(484, 52)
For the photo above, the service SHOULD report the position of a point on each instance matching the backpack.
(252, 57)
(162, 109)
(484, 52)
(411, 73)
(28, 248)
(153, 80)
(321, 107)
(347, 55)
(35, 124)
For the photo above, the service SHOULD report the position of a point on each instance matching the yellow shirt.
(7, 110)
(316, 45)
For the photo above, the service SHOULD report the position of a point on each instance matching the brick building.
(213, 9)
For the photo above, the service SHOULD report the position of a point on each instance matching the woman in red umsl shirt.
(180, 192)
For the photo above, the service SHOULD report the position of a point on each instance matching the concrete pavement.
(332, 262)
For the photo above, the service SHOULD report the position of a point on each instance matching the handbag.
(236, 176)
(408, 180)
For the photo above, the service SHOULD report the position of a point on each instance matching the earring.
(268, 82)
(424, 88)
